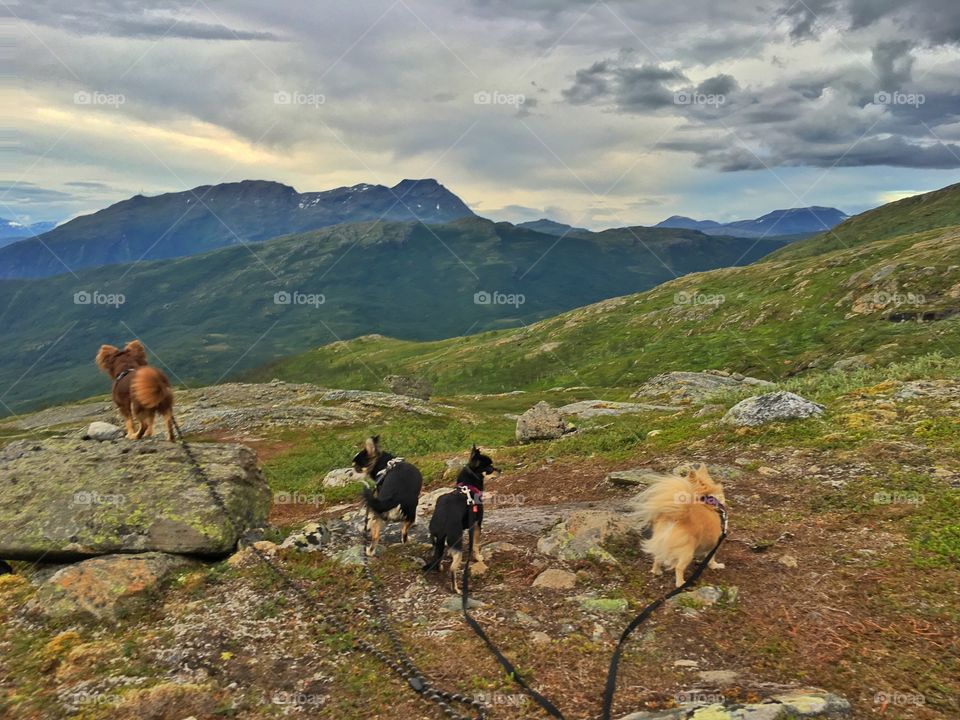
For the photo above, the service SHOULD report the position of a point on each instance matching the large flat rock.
(66, 499)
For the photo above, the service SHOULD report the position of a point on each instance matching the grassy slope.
(207, 315)
(776, 318)
(937, 209)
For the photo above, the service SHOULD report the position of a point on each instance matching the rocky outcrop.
(788, 704)
(636, 477)
(104, 589)
(414, 387)
(582, 534)
(597, 408)
(541, 422)
(65, 499)
(695, 387)
(772, 407)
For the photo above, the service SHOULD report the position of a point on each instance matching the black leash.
(611, 686)
(475, 626)
(402, 666)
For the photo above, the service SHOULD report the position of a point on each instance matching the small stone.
(767, 471)
(541, 422)
(454, 604)
(555, 579)
(102, 431)
(718, 677)
(654, 433)
(540, 638)
(686, 663)
(787, 561)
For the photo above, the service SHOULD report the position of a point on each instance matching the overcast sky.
(596, 114)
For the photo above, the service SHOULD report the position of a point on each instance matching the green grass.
(779, 321)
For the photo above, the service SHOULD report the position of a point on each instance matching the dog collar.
(713, 502)
(122, 375)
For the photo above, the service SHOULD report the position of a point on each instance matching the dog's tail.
(151, 388)
(375, 503)
(439, 545)
(667, 499)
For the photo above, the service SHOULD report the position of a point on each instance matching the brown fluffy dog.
(140, 392)
(684, 526)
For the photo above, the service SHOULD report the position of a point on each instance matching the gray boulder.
(541, 422)
(414, 387)
(342, 477)
(65, 499)
(102, 431)
(695, 387)
(772, 407)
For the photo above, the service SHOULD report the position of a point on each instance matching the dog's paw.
(716, 566)
(371, 551)
(478, 568)
(656, 571)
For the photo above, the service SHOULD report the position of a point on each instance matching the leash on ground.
(611, 683)
(441, 698)
(611, 686)
(402, 667)
(475, 626)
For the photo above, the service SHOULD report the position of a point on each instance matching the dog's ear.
(475, 451)
(372, 446)
(105, 357)
(136, 351)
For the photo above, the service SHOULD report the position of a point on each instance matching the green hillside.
(937, 209)
(208, 316)
(888, 299)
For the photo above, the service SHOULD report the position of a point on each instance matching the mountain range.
(793, 221)
(882, 287)
(208, 315)
(11, 230)
(212, 216)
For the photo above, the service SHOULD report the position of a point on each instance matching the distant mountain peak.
(787, 221)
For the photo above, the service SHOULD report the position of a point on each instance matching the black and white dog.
(460, 510)
(395, 495)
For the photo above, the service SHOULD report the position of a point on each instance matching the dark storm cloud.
(128, 18)
(630, 88)
(933, 21)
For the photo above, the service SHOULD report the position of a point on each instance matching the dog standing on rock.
(458, 511)
(140, 392)
(396, 494)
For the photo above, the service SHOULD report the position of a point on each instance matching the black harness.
(123, 374)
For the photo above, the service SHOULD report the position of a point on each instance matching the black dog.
(397, 491)
(460, 510)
